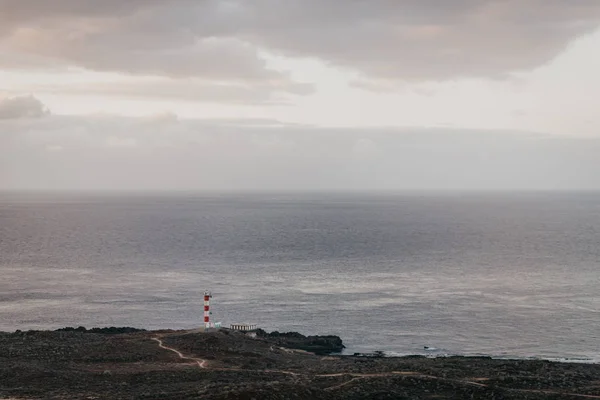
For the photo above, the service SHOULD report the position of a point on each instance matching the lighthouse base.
(212, 326)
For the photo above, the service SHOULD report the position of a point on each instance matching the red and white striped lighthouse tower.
(207, 297)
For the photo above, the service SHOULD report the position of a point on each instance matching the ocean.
(511, 275)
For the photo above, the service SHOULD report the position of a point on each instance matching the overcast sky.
(299, 94)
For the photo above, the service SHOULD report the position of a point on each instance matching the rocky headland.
(127, 363)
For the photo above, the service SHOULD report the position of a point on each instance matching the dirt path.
(584, 396)
(201, 362)
(356, 376)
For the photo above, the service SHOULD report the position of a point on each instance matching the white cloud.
(54, 147)
(365, 148)
(109, 152)
(275, 92)
(114, 141)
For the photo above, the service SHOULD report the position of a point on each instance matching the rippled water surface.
(500, 274)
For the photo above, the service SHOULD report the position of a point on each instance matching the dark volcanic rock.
(375, 354)
(77, 364)
(321, 345)
(103, 331)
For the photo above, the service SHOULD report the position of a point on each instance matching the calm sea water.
(513, 275)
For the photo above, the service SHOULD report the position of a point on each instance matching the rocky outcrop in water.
(320, 345)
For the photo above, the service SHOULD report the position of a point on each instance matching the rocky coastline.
(129, 363)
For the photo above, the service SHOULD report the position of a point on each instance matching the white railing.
(242, 327)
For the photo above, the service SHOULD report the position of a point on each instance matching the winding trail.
(201, 362)
(354, 377)
(357, 376)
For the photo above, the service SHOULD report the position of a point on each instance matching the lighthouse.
(207, 297)
(207, 324)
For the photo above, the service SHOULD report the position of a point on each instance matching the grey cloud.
(21, 107)
(137, 38)
(383, 39)
(15, 12)
(120, 49)
(433, 40)
(166, 152)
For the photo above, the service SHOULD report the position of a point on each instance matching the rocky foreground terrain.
(110, 364)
